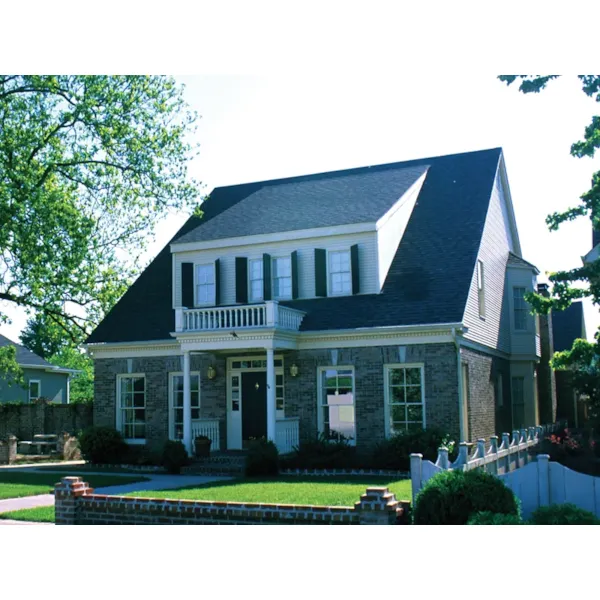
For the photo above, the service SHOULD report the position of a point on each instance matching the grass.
(40, 514)
(15, 484)
(328, 491)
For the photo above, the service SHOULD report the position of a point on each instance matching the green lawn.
(15, 484)
(328, 491)
(41, 514)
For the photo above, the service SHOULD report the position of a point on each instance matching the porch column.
(187, 404)
(271, 414)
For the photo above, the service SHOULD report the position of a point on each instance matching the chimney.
(546, 381)
(542, 288)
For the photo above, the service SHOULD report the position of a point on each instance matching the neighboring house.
(42, 380)
(356, 303)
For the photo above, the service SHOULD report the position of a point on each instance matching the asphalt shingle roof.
(567, 326)
(310, 203)
(513, 259)
(24, 356)
(428, 281)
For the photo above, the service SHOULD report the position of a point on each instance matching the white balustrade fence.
(498, 460)
(269, 314)
(287, 434)
(209, 428)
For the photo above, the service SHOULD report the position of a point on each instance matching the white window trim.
(39, 382)
(262, 293)
(329, 252)
(386, 391)
(119, 424)
(172, 375)
(320, 370)
(273, 294)
(196, 284)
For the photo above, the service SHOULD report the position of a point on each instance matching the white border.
(118, 423)
(386, 391)
(29, 382)
(320, 405)
(173, 374)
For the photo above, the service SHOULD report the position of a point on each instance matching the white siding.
(391, 227)
(493, 252)
(367, 254)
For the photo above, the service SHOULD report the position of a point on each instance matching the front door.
(254, 405)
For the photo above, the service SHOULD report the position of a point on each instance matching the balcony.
(253, 316)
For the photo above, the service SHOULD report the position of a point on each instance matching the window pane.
(398, 412)
(413, 394)
(138, 384)
(398, 395)
(414, 412)
(139, 400)
(397, 376)
(413, 376)
(278, 379)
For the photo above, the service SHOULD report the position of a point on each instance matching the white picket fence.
(509, 457)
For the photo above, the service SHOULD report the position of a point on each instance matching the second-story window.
(205, 284)
(282, 277)
(340, 275)
(520, 309)
(255, 276)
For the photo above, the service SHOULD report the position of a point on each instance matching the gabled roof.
(517, 261)
(427, 283)
(310, 203)
(567, 326)
(25, 357)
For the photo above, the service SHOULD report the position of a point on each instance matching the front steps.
(229, 463)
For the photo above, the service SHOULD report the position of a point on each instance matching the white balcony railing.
(254, 316)
(209, 428)
(287, 434)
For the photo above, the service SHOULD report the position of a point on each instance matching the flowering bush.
(564, 443)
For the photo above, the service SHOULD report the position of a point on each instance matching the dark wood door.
(254, 405)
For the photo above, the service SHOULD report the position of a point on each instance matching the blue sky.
(263, 127)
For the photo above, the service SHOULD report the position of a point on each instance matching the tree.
(81, 388)
(580, 282)
(45, 337)
(88, 166)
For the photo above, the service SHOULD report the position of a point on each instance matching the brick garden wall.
(27, 420)
(76, 504)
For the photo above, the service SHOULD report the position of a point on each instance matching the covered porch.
(255, 378)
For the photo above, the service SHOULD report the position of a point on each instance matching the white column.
(271, 408)
(187, 404)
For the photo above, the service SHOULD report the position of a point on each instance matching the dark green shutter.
(355, 271)
(217, 282)
(295, 274)
(267, 276)
(241, 279)
(187, 284)
(320, 272)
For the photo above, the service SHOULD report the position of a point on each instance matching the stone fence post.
(378, 506)
(8, 450)
(66, 494)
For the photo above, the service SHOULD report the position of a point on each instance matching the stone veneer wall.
(76, 504)
(441, 392)
(486, 417)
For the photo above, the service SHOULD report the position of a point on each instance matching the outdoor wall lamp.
(211, 373)
(294, 370)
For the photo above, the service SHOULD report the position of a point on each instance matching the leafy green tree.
(88, 166)
(12, 373)
(45, 337)
(81, 388)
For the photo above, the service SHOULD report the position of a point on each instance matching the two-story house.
(354, 303)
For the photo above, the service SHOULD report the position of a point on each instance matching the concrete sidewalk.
(157, 482)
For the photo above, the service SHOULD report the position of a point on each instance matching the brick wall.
(27, 420)
(486, 416)
(76, 504)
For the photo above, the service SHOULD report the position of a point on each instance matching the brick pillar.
(8, 450)
(66, 494)
(378, 506)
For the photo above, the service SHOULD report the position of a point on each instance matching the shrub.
(143, 456)
(563, 514)
(174, 456)
(102, 445)
(490, 518)
(451, 497)
(394, 453)
(262, 458)
(322, 453)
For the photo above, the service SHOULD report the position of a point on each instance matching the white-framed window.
(520, 309)
(255, 280)
(176, 402)
(405, 397)
(340, 273)
(35, 389)
(480, 289)
(336, 415)
(131, 407)
(282, 277)
(518, 402)
(205, 284)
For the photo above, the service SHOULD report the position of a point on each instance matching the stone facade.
(440, 378)
(487, 416)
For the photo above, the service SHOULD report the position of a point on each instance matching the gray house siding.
(496, 242)
(53, 386)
